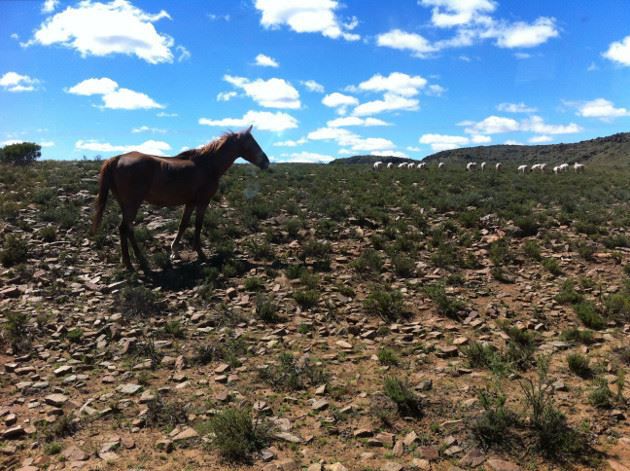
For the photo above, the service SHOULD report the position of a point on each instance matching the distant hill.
(370, 159)
(611, 150)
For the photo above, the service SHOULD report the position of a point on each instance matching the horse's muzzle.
(264, 162)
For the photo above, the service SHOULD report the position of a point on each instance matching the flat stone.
(430, 453)
(185, 434)
(410, 438)
(129, 388)
(74, 453)
(63, 370)
(343, 344)
(421, 464)
(320, 404)
(392, 467)
(335, 467)
(473, 458)
(13, 433)
(56, 400)
(496, 464)
(288, 437)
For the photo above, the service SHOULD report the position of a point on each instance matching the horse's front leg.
(199, 215)
(183, 224)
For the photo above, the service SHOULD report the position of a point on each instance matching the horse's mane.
(210, 148)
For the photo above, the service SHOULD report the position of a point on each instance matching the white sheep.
(578, 167)
(483, 166)
(441, 165)
(498, 166)
(522, 169)
(470, 166)
(377, 165)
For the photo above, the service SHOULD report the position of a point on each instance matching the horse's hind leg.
(183, 224)
(129, 214)
(199, 214)
(124, 247)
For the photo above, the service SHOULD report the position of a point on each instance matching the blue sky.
(318, 79)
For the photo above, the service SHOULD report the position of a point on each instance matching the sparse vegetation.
(237, 435)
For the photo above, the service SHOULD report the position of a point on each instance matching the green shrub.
(174, 329)
(577, 335)
(254, 283)
(589, 316)
(403, 266)
(75, 335)
(400, 392)
(600, 396)
(617, 306)
(567, 294)
(494, 426)
(16, 332)
(307, 298)
(388, 357)
(387, 304)
(14, 251)
(532, 250)
(528, 226)
(236, 435)
(266, 309)
(138, 301)
(369, 263)
(552, 266)
(447, 305)
(579, 365)
(291, 375)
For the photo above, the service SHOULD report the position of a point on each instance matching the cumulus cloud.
(307, 16)
(147, 147)
(499, 125)
(418, 45)
(144, 128)
(539, 139)
(339, 101)
(113, 96)
(439, 142)
(262, 120)
(266, 61)
(101, 29)
(601, 108)
(390, 102)
(351, 140)
(472, 22)
(272, 93)
(397, 83)
(450, 13)
(49, 6)
(521, 34)
(619, 51)
(356, 121)
(516, 108)
(290, 143)
(14, 82)
(226, 96)
(306, 157)
(313, 86)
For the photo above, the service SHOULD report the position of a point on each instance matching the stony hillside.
(344, 319)
(611, 150)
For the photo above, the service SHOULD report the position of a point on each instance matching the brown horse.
(190, 178)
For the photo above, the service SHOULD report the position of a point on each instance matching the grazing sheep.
(556, 169)
(542, 168)
(498, 166)
(535, 167)
(578, 167)
(422, 166)
(522, 169)
(390, 165)
(470, 166)
(483, 166)
(564, 167)
(402, 165)
(377, 165)
(441, 165)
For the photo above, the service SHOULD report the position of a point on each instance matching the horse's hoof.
(174, 257)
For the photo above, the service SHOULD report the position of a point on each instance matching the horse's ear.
(249, 129)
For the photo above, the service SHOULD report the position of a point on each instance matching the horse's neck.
(218, 162)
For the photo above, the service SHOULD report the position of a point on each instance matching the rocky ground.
(406, 338)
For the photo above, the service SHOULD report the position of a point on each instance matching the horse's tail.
(105, 183)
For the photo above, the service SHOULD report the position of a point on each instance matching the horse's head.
(250, 150)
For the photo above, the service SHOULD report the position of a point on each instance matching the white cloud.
(339, 101)
(306, 16)
(396, 82)
(145, 128)
(262, 120)
(492, 125)
(266, 61)
(226, 96)
(306, 157)
(516, 108)
(619, 51)
(272, 93)
(404, 41)
(537, 125)
(389, 153)
(43, 144)
(601, 108)
(147, 147)
(414, 149)
(114, 97)
(450, 13)
(390, 102)
(290, 143)
(14, 82)
(522, 55)
(522, 34)
(346, 138)
(539, 139)
(439, 142)
(435, 90)
(512, 142)
(480, 139)
(356, 121)
(101, 29)
(49, 6)
(184, 54)
(313, 86)
(163, 114)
